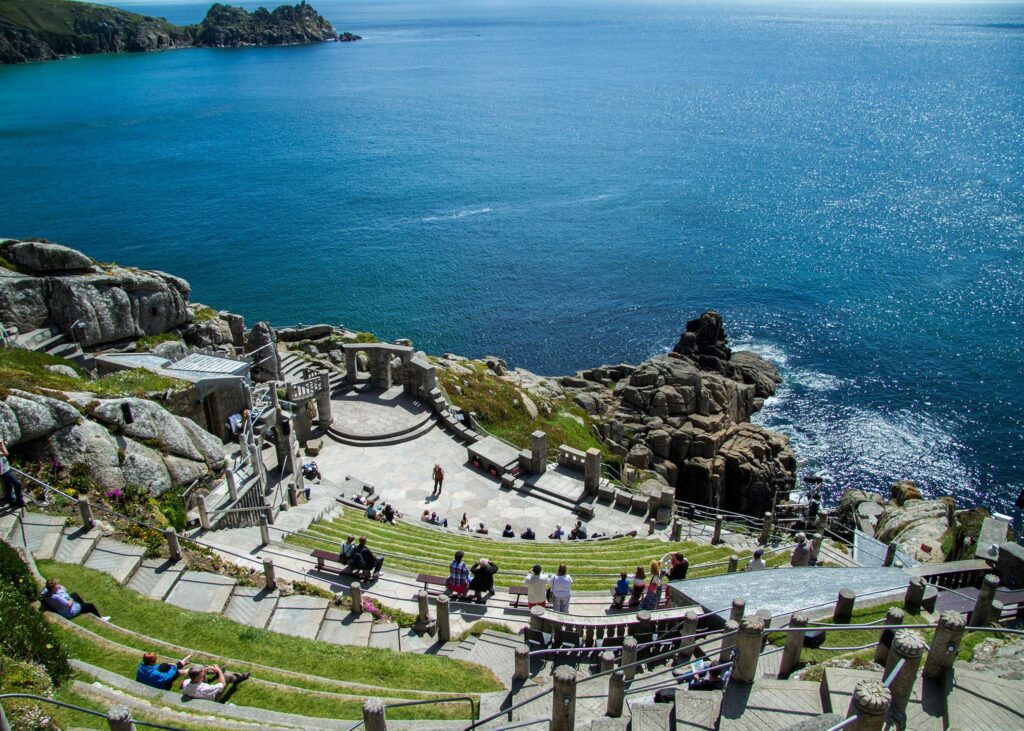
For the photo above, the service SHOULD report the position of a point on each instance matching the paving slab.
(985, 702)
(251, 606)
(339, 627)
(115, 558)
(298, 615)
(697, 709)
(39, 533)
(769, 705)
(385, 635)
(649, 716)
(201, 591)
(7, 525)
(156, 576)
(76, 544)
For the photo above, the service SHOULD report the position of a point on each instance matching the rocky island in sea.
(42, 30)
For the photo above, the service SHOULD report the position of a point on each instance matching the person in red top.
(438, 479)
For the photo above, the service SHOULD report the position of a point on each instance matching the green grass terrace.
(593, 564)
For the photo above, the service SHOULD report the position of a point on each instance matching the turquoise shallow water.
(564, 184)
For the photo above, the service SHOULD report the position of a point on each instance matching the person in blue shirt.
(159, 676)
(57, 599)
(621, 591)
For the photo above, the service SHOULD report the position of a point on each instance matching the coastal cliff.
(42, 30)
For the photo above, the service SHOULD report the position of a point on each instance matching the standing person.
(678, 567)
(57, 599)
(639, 586)
(195, 686)
(483, 572)
(536, 587)
(12, 486)
(801, 551)
(458, 575)
(438, 479)
(159, 676)
(653, 593)
(561, 589)
(757, 563)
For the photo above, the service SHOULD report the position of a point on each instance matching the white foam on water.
(455, 216)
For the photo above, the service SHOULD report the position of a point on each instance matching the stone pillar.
(268, 512)
(616, 694)
(794, 645)
(766, 529)
(119, 718)
(522, 667)
(734, 564)
(423, 606)
(982, 614)
(748, 650)
(607, 661)
(843, 612)
(815, 549)
(644, 625)
(351, 373)
(592, 470)
(324, 417)
(269, 574)
(677, 530)
(204, 515)
(629, 657)
(173, 547)
(893, 618)
(444, 624)
(869, 705)
(915, 595)
(537, 619)
(232, 480)
(293, 495)
(373, 715)
(85, 510)
(563, 702)
(264, 530)
(538, 452)
(355, 592)
(890, 554)
(716, 536)
(945, 644)
(728, 643)
(909, 646)
(690, 620)
(739, 606)
(821, 524)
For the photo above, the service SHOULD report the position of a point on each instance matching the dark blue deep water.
(565, 183)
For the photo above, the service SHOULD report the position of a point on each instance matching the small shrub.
(151, 341)
(361, 338)
(202, 313)
(15, 573)
(28, 637)
(172, 507)
(29, 678)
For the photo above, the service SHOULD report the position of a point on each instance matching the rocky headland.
(42, 30)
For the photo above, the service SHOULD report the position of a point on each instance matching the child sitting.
(621, 591)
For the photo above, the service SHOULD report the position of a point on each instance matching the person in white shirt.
(561, 589)
(757, 563)
(195, 686)
(536, 587)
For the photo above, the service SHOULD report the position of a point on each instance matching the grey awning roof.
(210, 364)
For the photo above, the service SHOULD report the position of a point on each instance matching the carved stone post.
(232, 480)
(677, 530)
(729, 642)
(816, 540)
(85, 510)
(323, 401)
(909, 646)
(869, 705)
(734, 563)
(269, 574)
(563, 702)
(616, 694)
(173, 547)
(607, 661)
(355, 593)
(739, 606)
(423, 606)
(794, 646)
(522, 666)
(268, 512)
(748, 650)
(945, 644)
(592, 470)
(893, 618)
(629, 651)
(914, 597)
(843, 612)
(766, 529)
(538, 452)
(264, 530)
(890, 554)
(982, 614)
(373, 715)
(690, 620)
(716, 536)
(204, 515)
(537, 618)
(444, 624)
(119, 718)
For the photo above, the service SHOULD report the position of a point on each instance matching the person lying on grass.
(159, 676)
(196, 685)
(57, 599)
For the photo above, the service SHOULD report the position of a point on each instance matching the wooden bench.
(322, 557)
(518, 592)
(429, 580)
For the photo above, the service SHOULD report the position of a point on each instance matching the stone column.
(204, 515)
(444, 624)
(644, 625)
(890, 554)
(716, 536)
(677, 530)
(85, 510)
(592, 470)
(909, 646)
(739, 606)
(538, 452)
(915, 595)
(690, 620)
(607, 661)
(373, 715)
(269, 574)
(843, 612)
(766, 529)
(893, 618)
(616, 694)
(264, 530)
(173, 547)
(232, 480)
(563, 702)
(323, 401)
(423, 606)
(351, 373)
(355, 593)
(794, 645)
(869, 705)
(982, 614)
(945, 644)
(815, 549)
(629, 651)
(119, 718)
(728, 643)
(522, 666)
(537, 618)
(734, 564)
(748, 650)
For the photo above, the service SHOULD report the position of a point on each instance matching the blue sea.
(564, 183)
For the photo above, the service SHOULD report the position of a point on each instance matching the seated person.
(389, 514)
(358, 499)
(528, 535)
(426, 517)
(579, 531)
(311, 472)
(557, 533)
(464, 523)
(458, 575)
(621, 591)
(372, 513)
(195, 686)
(482, 529)
(57, 599)
(639, 586)
(159, 676)
(508, 532)
(363, 562)
(346, 549)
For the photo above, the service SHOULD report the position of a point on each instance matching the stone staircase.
(292, 367)
(53, 341)
(427, 422)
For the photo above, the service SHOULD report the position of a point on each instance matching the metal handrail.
(80, 709)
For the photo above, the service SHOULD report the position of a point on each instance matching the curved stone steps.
(407, 434)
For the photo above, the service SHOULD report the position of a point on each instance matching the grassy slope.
(25, 370)
(56, 18)
(219, 636)
(413, 542)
